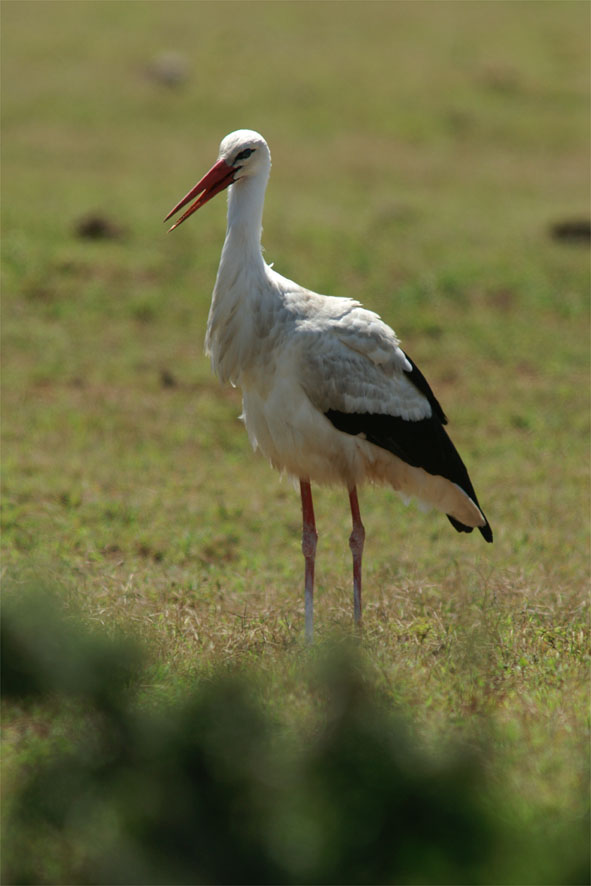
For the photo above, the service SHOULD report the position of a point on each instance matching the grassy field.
(422, 154)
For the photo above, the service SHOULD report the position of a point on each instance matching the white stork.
(329, 396)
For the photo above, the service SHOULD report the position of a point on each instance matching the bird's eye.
(244, 155)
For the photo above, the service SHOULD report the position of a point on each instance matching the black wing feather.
(422, 444)
(421, 383)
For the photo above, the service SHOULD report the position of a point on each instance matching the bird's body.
(329, 396)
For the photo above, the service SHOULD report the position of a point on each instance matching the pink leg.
(309, 539)
(356, 540)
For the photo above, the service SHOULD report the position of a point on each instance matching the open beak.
(219, 177)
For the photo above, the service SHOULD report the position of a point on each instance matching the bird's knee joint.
(309, 540)
(357, 539)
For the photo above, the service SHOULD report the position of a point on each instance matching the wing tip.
(484, 530)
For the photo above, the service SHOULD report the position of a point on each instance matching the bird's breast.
(244, 331)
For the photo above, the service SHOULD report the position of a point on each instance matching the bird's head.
(243, 154)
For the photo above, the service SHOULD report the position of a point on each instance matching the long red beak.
(219, 177)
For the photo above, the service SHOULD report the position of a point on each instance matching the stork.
(328, 394)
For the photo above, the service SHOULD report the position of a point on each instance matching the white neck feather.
(231, 336)
(242, 246)
(246, 198)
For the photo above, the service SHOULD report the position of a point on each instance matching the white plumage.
(329, 396)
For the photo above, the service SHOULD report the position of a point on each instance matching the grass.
(421, 154)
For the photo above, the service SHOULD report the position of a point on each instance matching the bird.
(328, 394)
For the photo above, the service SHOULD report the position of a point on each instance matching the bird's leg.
(356, 541)
(309, 539)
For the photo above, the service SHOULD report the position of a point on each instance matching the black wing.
(422, 444)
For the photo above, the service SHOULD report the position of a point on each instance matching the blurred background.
(430, 160)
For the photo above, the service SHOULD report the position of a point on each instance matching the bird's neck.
(232, 337)
(242, 246)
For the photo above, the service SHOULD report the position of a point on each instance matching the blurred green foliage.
(208, 789)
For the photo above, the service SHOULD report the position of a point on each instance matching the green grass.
(421, 153)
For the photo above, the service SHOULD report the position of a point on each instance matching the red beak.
(219, 177)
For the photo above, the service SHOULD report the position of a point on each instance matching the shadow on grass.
(208, 789)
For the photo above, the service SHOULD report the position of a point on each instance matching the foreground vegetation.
(159, 793)
(423, 156)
